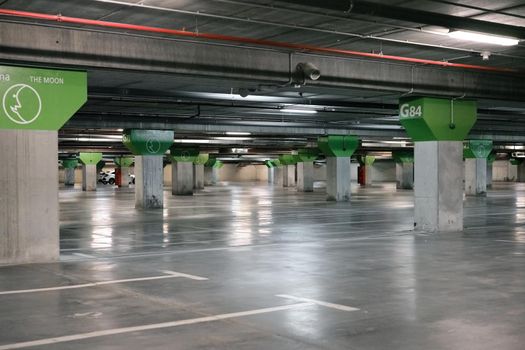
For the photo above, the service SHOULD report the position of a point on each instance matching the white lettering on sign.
(408, 111)
(47, 80)
(4, 77)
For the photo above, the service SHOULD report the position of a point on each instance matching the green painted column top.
(124, 162)
(403, 157)
(366, 160)
(516, 161)
(277, 163)
(90, 158)
(308, 154)
(71, 163)
(201, 159)
(477, 148)
(437, 119)
(211, 162)
(181, 154)
(100, 165)
(288, 159)
(269, 164)
(491, 158)
(218, 164)
(148, 142)
(39, 99)
(338, 145)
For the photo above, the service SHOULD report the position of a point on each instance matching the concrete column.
(369, 174)
(209, 179)
(521, 172)
(198, 176)
(278, 176)
(438, 186)
(289, 175)
(305, 176)
(489, 174)
(338, 178)
(182, 178)
(28, 196)
(405, 176)
(89, 177)
(69, 176)
(124, 177)
(512, 172)
(271, 172)
(476, 176)
(149, 182)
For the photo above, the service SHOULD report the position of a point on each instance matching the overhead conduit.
(242, 40)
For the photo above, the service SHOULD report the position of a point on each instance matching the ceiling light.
(238, 133)
(226, 138)
(191, 141)
(300, 111)
(484, 38)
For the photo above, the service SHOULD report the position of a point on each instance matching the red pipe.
(239, 39)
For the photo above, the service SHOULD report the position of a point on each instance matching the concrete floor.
(177, 278)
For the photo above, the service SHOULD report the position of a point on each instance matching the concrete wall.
(504, 171)
(234, 173)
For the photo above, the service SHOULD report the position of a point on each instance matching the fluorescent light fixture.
(227, 138)
(300, 111)
(191, 141)
(238, 133)
(120, 130)
(484, 38)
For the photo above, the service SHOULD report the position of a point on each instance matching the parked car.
(131, 179)
(108, 178)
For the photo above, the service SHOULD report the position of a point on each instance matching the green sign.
(39, 99)
(308, 154)
(338, 145)
(403, 157)
(71, 163)
(90, 158)
(201, 159)
(124, 162)
(178, 154)
(437, 119)
(366, 160)
(477, 148)
(148, 142)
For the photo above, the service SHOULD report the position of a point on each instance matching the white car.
(108, 178)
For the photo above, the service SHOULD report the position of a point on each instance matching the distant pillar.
(305, 176)
(278, 176)
(123, 164)
(404, 169)
(198, 176)
(89, 170)
(476, 153)
(338, 150)
(69, 171)
(149, 147)
(521, 171)
(182, 178)
(365, 170)
(208, 176)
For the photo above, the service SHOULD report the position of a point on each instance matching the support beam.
(28, 197)
(89, 177)
(279, 176)
(289, 176)
(198, 176)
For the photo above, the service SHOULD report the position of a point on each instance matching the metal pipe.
(244, 40)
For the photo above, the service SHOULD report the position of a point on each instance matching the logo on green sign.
(153, 146)
(22, 104)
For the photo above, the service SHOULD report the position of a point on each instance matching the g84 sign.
(410, 111)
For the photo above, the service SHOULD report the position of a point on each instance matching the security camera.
(244, 92)
(305, 71)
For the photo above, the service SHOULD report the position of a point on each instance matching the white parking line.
(167, 274)
(96, 334)
(319, 302)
